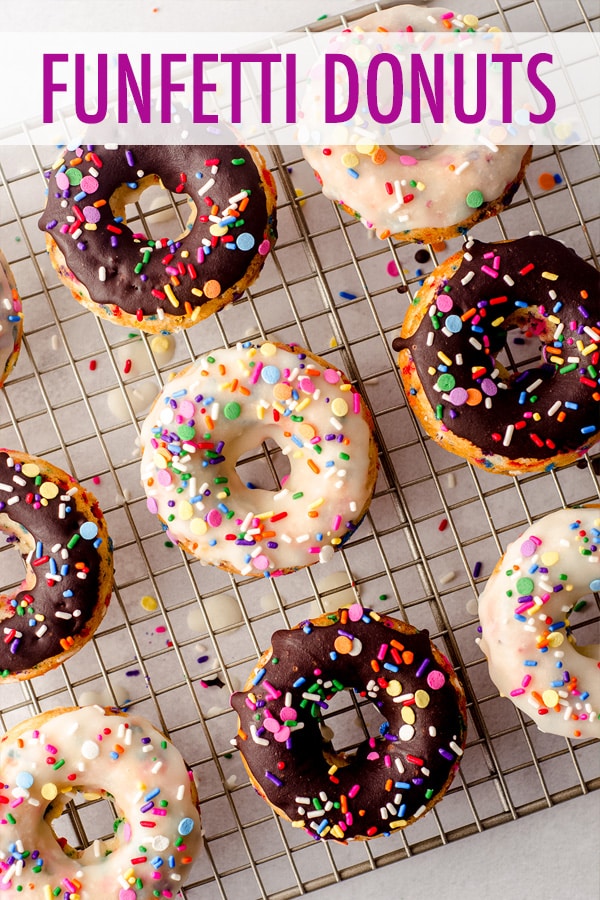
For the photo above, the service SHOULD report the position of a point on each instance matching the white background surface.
(552, 854)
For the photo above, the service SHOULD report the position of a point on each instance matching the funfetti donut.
(159, 284)
(226, 404)
(11, 320)
(61, 533)
(45, 761)
(427, 193)
(393, 778)
(525, 613)
(545, 415)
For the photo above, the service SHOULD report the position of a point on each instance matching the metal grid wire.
(330, 288)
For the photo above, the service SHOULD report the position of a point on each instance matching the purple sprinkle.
(132, 672)
(274, 779)
(446, 753)
(422, 667)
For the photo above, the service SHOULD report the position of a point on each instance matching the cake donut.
(428, 193)
(393, 778)
(226, 404)
(524, 612)
(159, 285)
(45, 761)
(60, 531)
(543, 416)
(11, 320)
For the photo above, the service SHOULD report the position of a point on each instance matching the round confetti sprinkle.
(525, 586)
(392, 269)
(436, 680)
(232, 410)
(186, 826)
(474, 199)
(270, 374)
(546, 181)
(212, 289)
(89, 531)
(528, 548)
(244, 241)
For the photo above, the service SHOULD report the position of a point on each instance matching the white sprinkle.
(555, 407)
(430, 338)
(488, 143)
(448, 577)
(508, 280)
(508, 435)
(455, 748)
(535, 384)
(467, 277)
(206, 187)
(462, 167)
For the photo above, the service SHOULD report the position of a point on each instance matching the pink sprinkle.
(517, 692)
(355, 612)
(496, 263)
(382, 651)
(356, 402)
(336, 523)
(261, 562)
(387, 760)
(526, 681)
(408, 160)
(160, 629)
(444, 303)
(331, 376)
(96, 479)
(214, 518)
(392, 269)
(256, 372)
(264, 248)
(436, 680)
(354, 790)
(489, 271)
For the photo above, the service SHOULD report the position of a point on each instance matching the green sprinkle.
(275, 660)
(474, 199)
(581, 604)
(210, 359)
(232, 410)
(59, 764)
(439, 411)
(239, 161)
(298, 495)
(73, 541)
(317, 448)
(10, 818)
(569, 368)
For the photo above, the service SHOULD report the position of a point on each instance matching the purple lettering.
(167, 85)
(290, 88)
(128, 82)
(480, 89)
(397, 88)
(332, 116)
(101, 93)
(541, 88)
(236, 60)
(509, 59)
(419, 81)
(201, 87)
(50, 86)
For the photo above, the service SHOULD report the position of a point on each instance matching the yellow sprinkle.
(398, 823)
(197, 293)
(332, 770)
(558, 360)
(337, 832)
(333, 343)
(302, 405)
(550, 276)
(268, 349)
(265, 515)
(497, 321)
(300, 193)
(149, 603)
(317, 503)
(90, 226)
(350, 160)
(431, 370)
(470, 20)
(445, 359)
(555, 639)
(536, 417)
(336, 541)
(339, 407)
(366, 149)
(550, 698)
(169, 292)
(49, 490)
(554, 319)
(422, 699)
(420, 186)
(394, 688)
(260, 412)
(185, 510)
(408, 715)
(198, 526)
(218, 230)
(49, 790)
(30, 470)
(345, 387)
(589, 350)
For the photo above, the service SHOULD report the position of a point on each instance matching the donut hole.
(86, 825)
(264, 467)
(153, 210)
(14, 550)
(349, 722)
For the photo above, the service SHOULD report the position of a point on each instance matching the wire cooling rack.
(178, 636)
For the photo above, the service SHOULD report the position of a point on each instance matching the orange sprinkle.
(408, 657)
(209, 422)
(119, 748)
(234, 385)
(244, 203)
(222, 369)
(546, 181)
(375, 665)
(244, 390)
(469, 314)
(389, 784)
(242, 735)
(344, 803)
(312, 464)
(538, 698)
(313, 514)
(344, 616)
(175, 281)
(397, 645)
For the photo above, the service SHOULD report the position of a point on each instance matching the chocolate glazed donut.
(162, 284)
(544, 416)
(61, 532)
(393, 778)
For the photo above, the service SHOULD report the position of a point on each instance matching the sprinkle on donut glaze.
(11, 320)
(160, 283)
(226, 404)
(393, 778)
(543, 416)
(525, 629)
(61, 531)
(44, 761)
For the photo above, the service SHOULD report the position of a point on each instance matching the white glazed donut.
(225, 405)
(11, 320)
(45, 760)
(424, 194)
(524, 614)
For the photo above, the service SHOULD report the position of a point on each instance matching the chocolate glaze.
(552, 287)
(383, 664)
(112, 245)
(31, 610)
